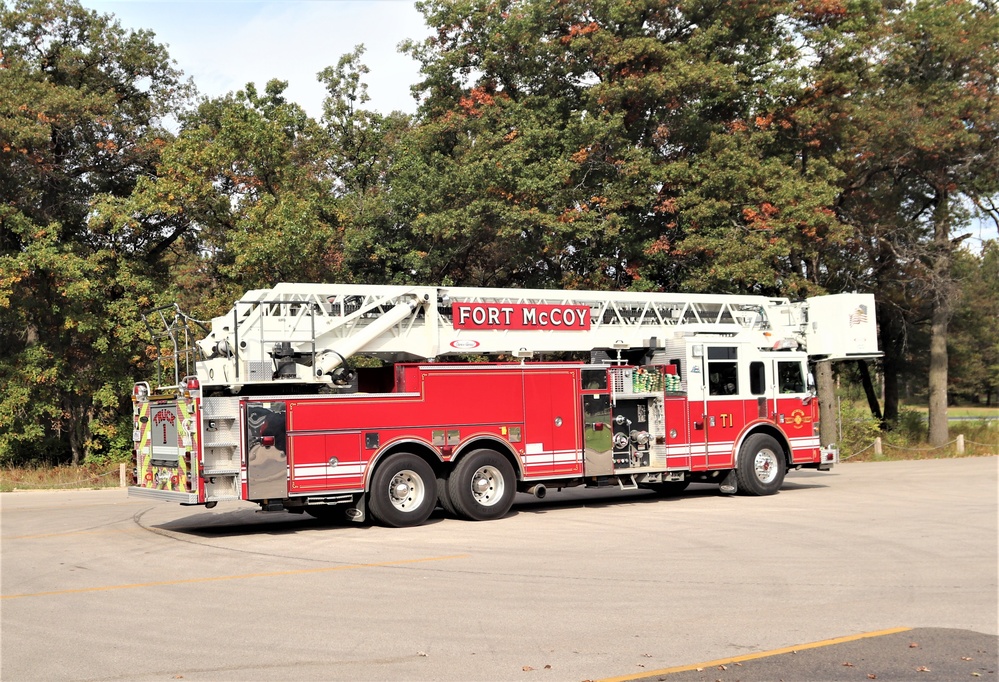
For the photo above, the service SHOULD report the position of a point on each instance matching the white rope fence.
(879, 446)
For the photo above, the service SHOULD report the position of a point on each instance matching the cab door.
(792, 404)
(724, 410)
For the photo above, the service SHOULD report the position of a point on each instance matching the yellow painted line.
(750, 657)
(244, 576)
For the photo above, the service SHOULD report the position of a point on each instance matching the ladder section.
(303, 332)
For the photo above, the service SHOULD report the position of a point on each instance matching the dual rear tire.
(481, 487)
(405, 489)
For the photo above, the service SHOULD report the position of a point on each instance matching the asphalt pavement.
(883, 569)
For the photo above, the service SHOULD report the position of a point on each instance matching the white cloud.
(223, 45)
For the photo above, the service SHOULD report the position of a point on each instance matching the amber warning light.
(520, 316)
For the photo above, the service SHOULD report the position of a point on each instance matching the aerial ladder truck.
(387, 401)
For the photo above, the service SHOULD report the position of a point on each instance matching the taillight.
(190, 386)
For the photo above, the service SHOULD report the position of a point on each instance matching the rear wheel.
(403, 491)
(444, 497)
(482, 486)
(762, 465)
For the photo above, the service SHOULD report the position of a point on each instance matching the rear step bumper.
(163, 495)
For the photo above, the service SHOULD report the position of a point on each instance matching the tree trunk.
(942, 305)
(872, 398)
(939, 428)
(826, 388)
(77, 429)
(891, 327)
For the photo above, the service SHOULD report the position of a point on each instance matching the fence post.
(878, 452)
(122, 481)
(960, 443)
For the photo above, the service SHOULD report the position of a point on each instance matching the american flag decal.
(859, 316)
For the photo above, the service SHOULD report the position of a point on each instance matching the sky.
(224, 44)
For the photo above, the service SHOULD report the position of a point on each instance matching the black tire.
(444, 498)
(403, 491)
(762, 465)
(668, 488)
(482, 486)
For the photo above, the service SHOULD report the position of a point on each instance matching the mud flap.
(357, 512)
(729, 484)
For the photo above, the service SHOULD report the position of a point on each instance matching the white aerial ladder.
(304, 333)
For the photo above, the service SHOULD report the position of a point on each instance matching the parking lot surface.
(583, 585)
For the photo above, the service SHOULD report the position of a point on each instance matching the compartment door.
(553, 428)
(266, 441)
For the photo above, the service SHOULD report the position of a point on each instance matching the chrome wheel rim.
(406, 490)
(766, 465)
(487, 486)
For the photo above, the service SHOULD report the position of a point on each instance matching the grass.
(965, 412)
(908, 440)
(64, 477)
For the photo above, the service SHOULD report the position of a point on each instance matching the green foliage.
(616, 144)
(859, 428)
(780, 148)
(974, 342)
(909, 428)
(78, 119)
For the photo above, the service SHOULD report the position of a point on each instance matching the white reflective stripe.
(556, 456)
(567, 455)
(721, 447)
(322, 471)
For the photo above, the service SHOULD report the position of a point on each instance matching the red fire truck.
(347, 400)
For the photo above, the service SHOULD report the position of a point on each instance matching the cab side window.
(757, 378)
(723, 371)
(790, 377)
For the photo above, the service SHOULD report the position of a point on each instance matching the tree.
(360, 151)
(917, 141)
(618, 144)
(245, 196)
(973, 345)
(80, 117)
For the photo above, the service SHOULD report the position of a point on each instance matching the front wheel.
(403, 491)
(482, 486)
(761, 465)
